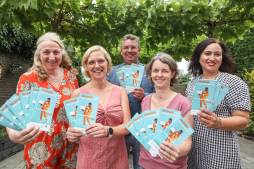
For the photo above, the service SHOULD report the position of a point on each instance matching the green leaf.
(147, 23)
(187, 7)
(50, 12)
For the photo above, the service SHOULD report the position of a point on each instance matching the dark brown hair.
(227, 64)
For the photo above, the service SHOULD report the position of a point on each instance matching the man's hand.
(139, 93)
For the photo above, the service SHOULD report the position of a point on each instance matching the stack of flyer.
(82, 111)
(35, 106)
(207, 94)
(130, 76)
(152, 128)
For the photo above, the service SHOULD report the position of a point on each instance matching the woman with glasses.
(104, 145)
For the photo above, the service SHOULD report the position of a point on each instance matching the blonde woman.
(52, 69)
(104, 147)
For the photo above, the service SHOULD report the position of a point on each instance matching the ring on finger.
(29, 140)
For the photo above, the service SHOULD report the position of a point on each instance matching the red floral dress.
(51, 149)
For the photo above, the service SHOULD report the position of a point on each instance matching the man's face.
(130, 51)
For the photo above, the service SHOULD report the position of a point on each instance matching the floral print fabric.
(51, 149)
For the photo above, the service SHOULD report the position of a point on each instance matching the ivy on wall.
(243, 52)
(14, 40)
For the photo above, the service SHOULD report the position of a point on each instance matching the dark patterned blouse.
(51, 149)
(218, 149)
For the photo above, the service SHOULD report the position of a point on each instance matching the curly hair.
(227, 64)
(164, 58)
(94, 49)
(66, 61)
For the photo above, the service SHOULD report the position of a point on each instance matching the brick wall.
(8, 148)
(8, 81)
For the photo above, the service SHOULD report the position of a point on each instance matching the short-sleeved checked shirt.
(218, 149)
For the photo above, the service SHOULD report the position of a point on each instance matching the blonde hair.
(164, 58)
(66, 61)
(94, 49)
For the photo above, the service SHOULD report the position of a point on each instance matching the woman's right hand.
(73, 134)
(171, 152)
(25, 136)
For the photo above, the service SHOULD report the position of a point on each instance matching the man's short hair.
(131, 37)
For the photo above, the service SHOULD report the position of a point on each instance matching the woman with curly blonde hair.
(52, 69)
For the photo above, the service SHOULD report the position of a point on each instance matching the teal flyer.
(216, 94)
(135, 77)
(176, 133)
(15, 106)
(44, 108)
(166, 117)
(71, 108)
(87, 110)
(203, 95)
(7, 123)
(151, 122)
(33, 97)
(139, 125)
(127, 70)
(131, 127)
(223, 92)
(120, 76)
(7, 113)
(24, 97)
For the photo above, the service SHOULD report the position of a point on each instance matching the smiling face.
(161, 74)
(50, 55)
(211, 58)
(96, 65)
(130, 51)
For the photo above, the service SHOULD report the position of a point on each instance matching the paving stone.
(250, 159)
(246, 161)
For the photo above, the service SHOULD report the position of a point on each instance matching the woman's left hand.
(208, 118)
(171, 152)
(97, 130)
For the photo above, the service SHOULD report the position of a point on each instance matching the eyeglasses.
(93, 62)
(132, 47)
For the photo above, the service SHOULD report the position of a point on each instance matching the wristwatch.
(110, 132)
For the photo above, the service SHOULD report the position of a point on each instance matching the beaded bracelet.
(220, 123)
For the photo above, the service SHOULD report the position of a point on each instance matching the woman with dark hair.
(217, 149)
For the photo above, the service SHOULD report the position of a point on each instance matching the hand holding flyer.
(207, 94)
(87, 110)
(153, 127)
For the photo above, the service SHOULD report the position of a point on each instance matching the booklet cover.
(71, 108)
(131, 127)
(127, 71)
(33, 97)
(216, 94)
(120, 76)
(223, 92)
(176, 133)
(139, 125)
(7, 113)
(7, 123)
(87, 110)
(24, 97)
(15, 106)
(135, 77)
(150, 120)
(44, 108)
(166, 117)
(203, 95)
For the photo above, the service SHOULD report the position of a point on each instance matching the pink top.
(147, 161)
(103, 152)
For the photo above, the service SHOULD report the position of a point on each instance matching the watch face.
(110, 130)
